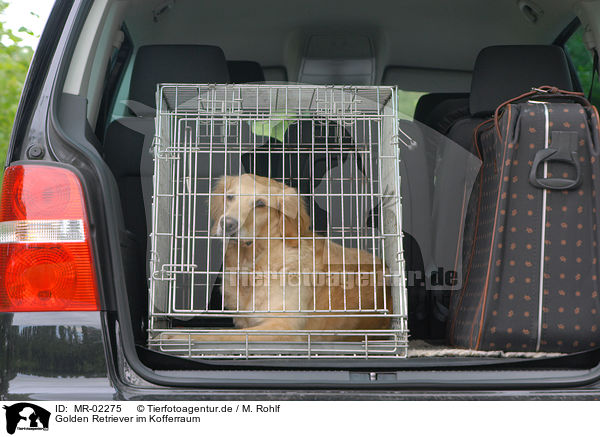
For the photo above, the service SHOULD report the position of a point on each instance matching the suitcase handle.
(564, 151)
(543, 92)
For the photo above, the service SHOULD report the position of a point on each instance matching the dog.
(277, 271)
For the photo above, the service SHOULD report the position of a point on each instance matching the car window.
(407, 102)
(583, 61)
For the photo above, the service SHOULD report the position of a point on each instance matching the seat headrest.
(429, 102)
(504, 72)
(245, 72)
(175, 64)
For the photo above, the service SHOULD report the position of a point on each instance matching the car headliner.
(437, 34)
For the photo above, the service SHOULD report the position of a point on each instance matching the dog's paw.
(172, 338)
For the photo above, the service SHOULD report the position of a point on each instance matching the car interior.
(453, 64)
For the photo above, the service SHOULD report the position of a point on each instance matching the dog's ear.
(293, 216)
(217, 200)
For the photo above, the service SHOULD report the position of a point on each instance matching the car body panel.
(53, 355)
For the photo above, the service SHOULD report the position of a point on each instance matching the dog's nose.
(229, 225)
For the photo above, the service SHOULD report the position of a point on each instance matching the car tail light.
(45, 251)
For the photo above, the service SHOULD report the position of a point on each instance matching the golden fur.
(274, 262)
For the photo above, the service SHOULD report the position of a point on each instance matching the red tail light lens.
(45, 252)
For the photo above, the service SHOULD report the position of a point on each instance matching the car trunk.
(423, 250)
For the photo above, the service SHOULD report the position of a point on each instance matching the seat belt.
(594, 72)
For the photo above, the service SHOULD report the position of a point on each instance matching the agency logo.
(26, 417)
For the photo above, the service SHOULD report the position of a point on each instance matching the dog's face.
(251, 206)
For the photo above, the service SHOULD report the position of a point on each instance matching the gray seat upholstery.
(128, 140)
(245, 72)
(439, 111)
(504, 72)
(175, 64)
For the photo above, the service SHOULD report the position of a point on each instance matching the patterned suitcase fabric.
(531, 280)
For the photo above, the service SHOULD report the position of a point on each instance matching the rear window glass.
(407, 102)
(583, 61)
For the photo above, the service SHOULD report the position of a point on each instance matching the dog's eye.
(229, 197)
(260, 203)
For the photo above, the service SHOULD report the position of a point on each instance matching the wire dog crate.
(276, 223)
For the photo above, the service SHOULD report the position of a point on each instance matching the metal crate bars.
(303, 186)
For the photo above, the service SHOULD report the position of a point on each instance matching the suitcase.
(531, 275)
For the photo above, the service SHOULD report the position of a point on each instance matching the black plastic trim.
(580, 360)
(114, 78)
(36, 76)
(567, 32)
(561, 40)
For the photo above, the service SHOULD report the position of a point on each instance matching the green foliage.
(407, 102)
(14, 63)
(275, 127)
(584, 64)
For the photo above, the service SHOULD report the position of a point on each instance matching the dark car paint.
(60, 356)
(130, 378)
(55, 355)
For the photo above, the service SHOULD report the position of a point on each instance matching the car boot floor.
(422, 349)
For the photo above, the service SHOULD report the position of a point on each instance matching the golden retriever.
(274, 263)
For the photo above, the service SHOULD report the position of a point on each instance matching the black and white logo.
(26, 417)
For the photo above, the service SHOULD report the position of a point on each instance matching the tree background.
(14, 63)
(583, 62)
